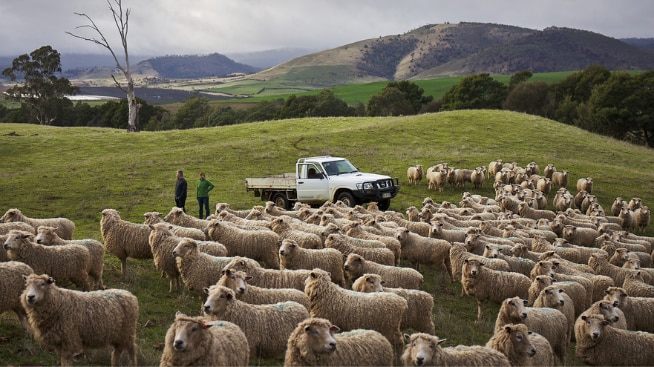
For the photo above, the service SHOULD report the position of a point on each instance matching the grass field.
(77, 172)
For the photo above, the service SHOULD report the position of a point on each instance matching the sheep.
(21, 226)
(395, 277)
(317, 342)
(197, 269)
(635, 203)
(436, 180)
(605, 308)
(458, 254)
(48, 236)
(601, 266)
(522, 251)
(156, 217)
(522, 347)
(544, 185)
(638, 311)
(580, 236)
(494, 167)
(124, 239)
(357, 230)
(11, 287)
(294, 257)
(268, 278)
(414, 174)
(560, 178)
(540, 245)
(260, 245)
(574, 290)
(68, 321)
(628, 219)
(423, 349)
(526, 211)
(273, 210)
(380, 311)
(420, 304)
(642, 218)
(258, 322)
(347, 245)
(635, 285)
(449, 235)
(424, 250)
(598, 344)
(492, 285)
(178, 217)
(238, 282)
(282, 227)
(65, 227)
(68, 263)
(585, 184)
(194, 341)
(516, 264)
(420, 228)
(162, 242)
(554, 296)
(548, 322)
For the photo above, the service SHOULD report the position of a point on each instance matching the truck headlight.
(367, 186)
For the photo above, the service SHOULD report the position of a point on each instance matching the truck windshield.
(339, 167)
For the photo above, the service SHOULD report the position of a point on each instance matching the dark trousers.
(204, 203)
(181, 203)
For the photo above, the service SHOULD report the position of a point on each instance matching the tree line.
(616, 104)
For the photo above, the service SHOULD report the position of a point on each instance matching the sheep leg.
(123, 267)
(479, 302)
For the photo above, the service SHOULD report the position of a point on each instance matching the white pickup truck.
(325, 178)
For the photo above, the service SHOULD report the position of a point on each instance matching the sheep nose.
(241, 290)
(6, 246)
(562, 302)
(616, 303)
(474, 272)
(281, 252)
(207, 309)
(332, 346)
(174, 253)
(420, 361)
(30, 298)
(39, 241)
(532, 352)
(178, 344)
(523, 315)
(595, 335)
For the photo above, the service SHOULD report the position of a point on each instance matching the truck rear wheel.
(347, 198)
(281, 200)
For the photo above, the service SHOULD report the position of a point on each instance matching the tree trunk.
(133, 108)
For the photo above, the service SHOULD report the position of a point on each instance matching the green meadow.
(78, 172)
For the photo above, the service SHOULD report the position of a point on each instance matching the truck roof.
(320, 159)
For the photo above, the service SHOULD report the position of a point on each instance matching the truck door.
(312, 183)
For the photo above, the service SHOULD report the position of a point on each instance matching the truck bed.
(285, 181)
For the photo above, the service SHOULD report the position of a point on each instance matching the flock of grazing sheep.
(329, 284)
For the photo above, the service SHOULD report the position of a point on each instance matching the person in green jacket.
(204, 186)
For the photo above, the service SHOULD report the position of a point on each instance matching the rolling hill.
(439, 50)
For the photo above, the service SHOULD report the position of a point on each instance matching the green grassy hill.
(77, 172)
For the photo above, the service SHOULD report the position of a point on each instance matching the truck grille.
(385, 184)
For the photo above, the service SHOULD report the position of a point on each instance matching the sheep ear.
(508, 329)
(525, 302)
(151, 226)
(178, 313)
(561, 290)
(441, 341)
(248, 277)
(51, 280)
(334, 329)
(605, 322)
(205, 290)
(24, 277)
(206, 325)
(407, 338)
(583, 317)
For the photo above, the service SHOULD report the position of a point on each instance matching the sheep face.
(287, 247)
(515, 309)
(370, 283)
(174, 215)
(15, 240)
(353, 264)
(593, 326)
(45, 235)
(36, 288)
(12, 215)
(544, 267)
(607, 311)
(520, 340)
(152, 218)
(423, 349)
(553, 296)
(218, 300)
(234, 280)
(188, 332)
(318, 336)
(184, 248)
(472, 267)
(615, 295)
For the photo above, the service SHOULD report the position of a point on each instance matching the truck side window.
(312, 173)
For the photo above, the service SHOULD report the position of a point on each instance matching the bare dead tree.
(121, 19)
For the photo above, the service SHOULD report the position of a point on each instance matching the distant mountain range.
(430, 51)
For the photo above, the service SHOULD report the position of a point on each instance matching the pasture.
(78, 172)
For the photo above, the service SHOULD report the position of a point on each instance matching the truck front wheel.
(383, 205)
(347, 199)
(280, 200)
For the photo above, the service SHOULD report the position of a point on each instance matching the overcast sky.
(176, 27)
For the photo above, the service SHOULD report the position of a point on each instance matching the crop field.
(78, 172)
